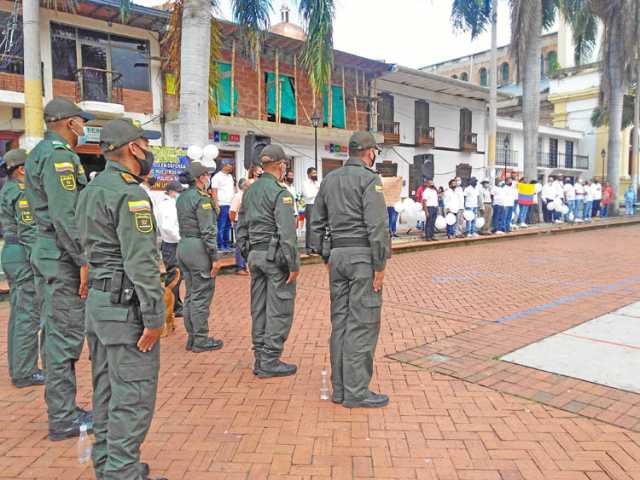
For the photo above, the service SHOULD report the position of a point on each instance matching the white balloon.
(479, 222)
(571, 217)
(408, 205)
(417, 207)
(564, 210)
(194, 152)
(209, 163)
(469, 216)
(422, 217)
(210, 152)
(441, 223)
(399, 207)
(451, 219)
(409, 217)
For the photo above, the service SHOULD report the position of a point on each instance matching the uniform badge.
(127, 177)
(379, 188)
(68, 181)
(207, 206)
(26, 217)
(143, 221)
(64, 167)
(139, 206)
(287, 200)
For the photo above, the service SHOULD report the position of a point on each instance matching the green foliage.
(600, 115)
(584, 26)
(252, 17)
(471, 16)
(317, 53)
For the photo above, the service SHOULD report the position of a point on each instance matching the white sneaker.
(499, 232)
(523, 225)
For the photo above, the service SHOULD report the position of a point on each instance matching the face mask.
(314, 178)
(473, 184)
(83, 131)
(146, 163)
(289, 180)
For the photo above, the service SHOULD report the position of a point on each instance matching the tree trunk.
(493, 86)
(531, 89)
(33, 111)
(636, 130)
(194, 73)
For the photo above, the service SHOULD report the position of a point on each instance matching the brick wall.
(134, 100)
(11, 82)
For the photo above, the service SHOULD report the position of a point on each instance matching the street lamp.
(603, 154)
(315, 120)
(507, 145)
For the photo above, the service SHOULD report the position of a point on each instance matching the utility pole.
(493, 86)
(636, 130)
(33, 110)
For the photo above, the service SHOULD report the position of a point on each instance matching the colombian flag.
(526, 193)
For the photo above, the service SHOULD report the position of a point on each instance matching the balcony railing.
(391, 132)
(561, 160)
(425, 136)
(508, 158)
(98, 85)
(469, 142)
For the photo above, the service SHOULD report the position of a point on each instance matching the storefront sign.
(92, 135)
(337, 150)
(169, 163)
(387, 169)
(226, 139)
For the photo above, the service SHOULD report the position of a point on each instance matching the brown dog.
(169, 302)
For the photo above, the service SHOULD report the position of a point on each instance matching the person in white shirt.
(498, 207)
(167, 219)
(288, 180)
(459, 191)
(570, 199)
(234, 211)
(559, 190)
(451, 205)
(486, 205)
(580, 193)
(509, 200)
(310, 189)
(597, 198)
(223, 187)
(548, 196)
(430, 206)
(471, 197)
(588, 201)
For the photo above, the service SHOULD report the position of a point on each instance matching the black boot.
(372, 400)
(273, 367)
(84, 418)
(36, 378)
(189, 345)
(210, 344)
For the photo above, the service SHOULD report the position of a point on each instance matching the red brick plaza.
(457, 412)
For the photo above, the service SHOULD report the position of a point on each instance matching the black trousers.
(308, 209)
(430, 224)
(170, 260)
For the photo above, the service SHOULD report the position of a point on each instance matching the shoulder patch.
(128, 178)
(68, 181)
(143, 221)
(287, 200)
(64, 167)
(26, 217)
(139, 206)
(207, 206)
(23, 204)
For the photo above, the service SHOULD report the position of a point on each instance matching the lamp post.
(315, 120)
(507, 145)
(603, 154)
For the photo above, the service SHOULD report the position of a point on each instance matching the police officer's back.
(350, 221)
(125, 307)
(267, 230)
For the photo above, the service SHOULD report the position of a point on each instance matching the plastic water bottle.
(324, 388)
(84, 445)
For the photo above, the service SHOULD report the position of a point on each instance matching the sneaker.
(209, 345)
(499, 232)
(275, 368)
(373, 400)
(523, 225)
(37, 378)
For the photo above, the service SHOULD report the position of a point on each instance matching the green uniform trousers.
(272, 305)
(125, 383)
(195, 265)
(355, 321)
(63, 328)
(22, 338)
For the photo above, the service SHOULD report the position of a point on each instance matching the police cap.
(121, 131)
(196, 169)
(60, 108)
(174, 186)
(13, 159)
(272, 153)
(363, 141)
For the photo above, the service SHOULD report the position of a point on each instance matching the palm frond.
(252, 17)
(471, 16)
(214, 70)
(317, 54)
(584, 26)
(600, 115)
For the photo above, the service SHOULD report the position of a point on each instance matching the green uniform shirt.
(197, 218)
(267, 210)
(118, 232)
(8, 202)
(27, 230)
(54, 177)
(351, 203)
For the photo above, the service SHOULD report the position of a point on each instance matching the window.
(421, 119)
(552, 62)
(553, 152)
(504, 73)
(73, 48)
(464, 77)
(287, 98)
(466, 125)
(568, 154)
(11, 44)
(385, 113)
(223, 94)
(337, 107)
(484, 81)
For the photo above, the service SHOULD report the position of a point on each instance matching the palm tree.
(199, 44)
(620, 53)
(528, 19)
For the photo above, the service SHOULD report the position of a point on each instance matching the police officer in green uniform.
(54, 176)
(350, 220)
(197, 257)
(125, 309)
(267, 230)
(19, 233)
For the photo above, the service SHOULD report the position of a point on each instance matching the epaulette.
(204, 194)
(61, 145)
(128, 178)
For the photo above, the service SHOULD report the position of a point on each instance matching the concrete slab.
(605, 350)
(632, 310)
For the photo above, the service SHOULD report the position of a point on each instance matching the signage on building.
(387, 168)
(169, 163)
(337, 150)
(225, 139)
(92, 135)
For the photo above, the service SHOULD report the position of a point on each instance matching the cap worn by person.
(272, 153)
(174, 187)
(13, 159)
(60, 108)
(363, 141)
(119, 132)
(196, 169)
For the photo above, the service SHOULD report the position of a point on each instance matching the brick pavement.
(456, 413)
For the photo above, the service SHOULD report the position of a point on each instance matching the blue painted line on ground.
(568, 299)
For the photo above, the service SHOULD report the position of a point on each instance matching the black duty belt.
(103, 285)
(349, 242)
(10, 238)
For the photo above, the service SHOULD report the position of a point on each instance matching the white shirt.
(558, 188)
(430, 197)
(588, 193)
(167, 216)
(471, 197)
(460, 196)
(548, 192)
(310, 191)
(224, 186)
(580, 191)
(485, 194)
(597, 191)
(510, 196)
(498, 194)
(451, 201)
(569, 192)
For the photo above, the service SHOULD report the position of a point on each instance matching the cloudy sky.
(413, 33)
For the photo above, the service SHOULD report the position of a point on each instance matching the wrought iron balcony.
(425, 136)
(98, 85)
(469, 142)
(507, 158)
(562, 160)
(391, 132)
